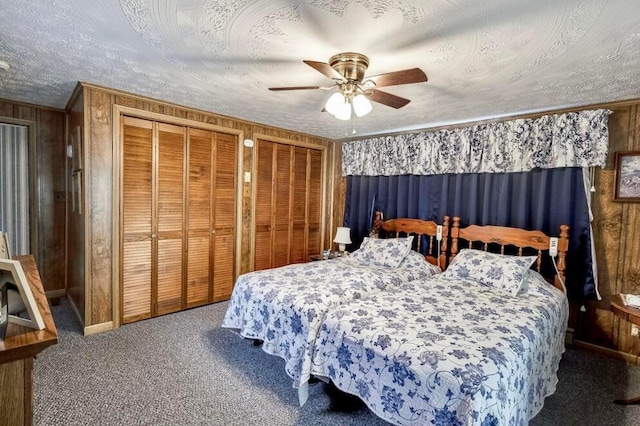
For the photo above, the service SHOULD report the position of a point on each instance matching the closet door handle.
(154, 236)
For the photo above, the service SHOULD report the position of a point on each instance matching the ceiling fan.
(347, 70)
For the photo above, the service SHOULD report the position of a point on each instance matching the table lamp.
(343, 237)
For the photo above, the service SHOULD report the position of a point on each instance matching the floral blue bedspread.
(447, 352)
(285, 306)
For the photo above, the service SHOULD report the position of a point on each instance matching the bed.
(459, 348)
(284, 307)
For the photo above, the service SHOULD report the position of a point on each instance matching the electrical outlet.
(634, 330)
(247, 177)
(553, 246)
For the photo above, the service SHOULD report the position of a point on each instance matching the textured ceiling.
(484, 59)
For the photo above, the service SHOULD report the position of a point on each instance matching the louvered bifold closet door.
(282, 205)
(201, 145)
(137, 220)
(224, 209)
(314, 201)
(170, 218)
(288, 205)
(264, 152)
(299, 206)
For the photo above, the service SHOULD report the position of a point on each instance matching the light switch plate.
(247, 177)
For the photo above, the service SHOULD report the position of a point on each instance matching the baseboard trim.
(75, 310)
(611, 353)
(98, 328)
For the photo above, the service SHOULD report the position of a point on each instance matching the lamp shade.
(344, 112)
(361, 105)
(343, 235)
(334, 103)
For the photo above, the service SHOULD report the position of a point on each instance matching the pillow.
(490, 269)
(534, 282)
(416, 261)
(388, 252)
(365, 241)
(533, 277)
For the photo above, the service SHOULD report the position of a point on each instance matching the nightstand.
(332, 255)
(632, 315)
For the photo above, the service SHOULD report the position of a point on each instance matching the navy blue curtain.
(538, 199)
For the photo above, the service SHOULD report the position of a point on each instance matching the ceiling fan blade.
(276, 89)
(413, 75)
(387, 98)
(324, 68)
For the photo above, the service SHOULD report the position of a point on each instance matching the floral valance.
(578, 139)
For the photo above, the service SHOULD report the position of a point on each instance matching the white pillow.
(383, 252)
(490, 269)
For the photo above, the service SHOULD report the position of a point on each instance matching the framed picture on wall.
(627, 179)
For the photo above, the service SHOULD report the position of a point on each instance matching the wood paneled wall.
(75, 260)
(49, 174)
(616, 228)
(98, 106)
(339, 183)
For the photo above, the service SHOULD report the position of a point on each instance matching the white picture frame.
(11, 271)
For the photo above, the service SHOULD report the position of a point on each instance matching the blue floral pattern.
(577, 139)
(432, 363)
(383, 252)
(285, 306)
(491, 269)
(415, 260)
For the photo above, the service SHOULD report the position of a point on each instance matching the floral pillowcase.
(383, 252)
(415, 261)
(491, 269)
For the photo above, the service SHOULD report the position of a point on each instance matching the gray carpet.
(183, 369)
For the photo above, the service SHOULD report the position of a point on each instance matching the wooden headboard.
(420, 228)
(520, 238)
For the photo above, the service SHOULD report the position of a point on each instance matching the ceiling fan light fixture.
(361, 105)
(344, 112)
(334, 103)
(355, 91)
